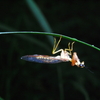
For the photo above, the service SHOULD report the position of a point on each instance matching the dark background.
(22, 80)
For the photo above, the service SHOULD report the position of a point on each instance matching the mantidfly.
(65, 56)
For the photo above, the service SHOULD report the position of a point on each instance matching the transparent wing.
(41, 58)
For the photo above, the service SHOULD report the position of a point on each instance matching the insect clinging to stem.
(65, 56)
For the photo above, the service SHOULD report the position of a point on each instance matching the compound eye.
(82, 65)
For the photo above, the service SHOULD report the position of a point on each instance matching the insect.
(65, 56)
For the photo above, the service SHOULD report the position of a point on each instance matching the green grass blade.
(40, 17)
(52, 34)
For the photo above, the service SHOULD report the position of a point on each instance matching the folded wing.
(41, 58)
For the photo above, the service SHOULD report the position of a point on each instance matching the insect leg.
(70, 48)
(56, 45)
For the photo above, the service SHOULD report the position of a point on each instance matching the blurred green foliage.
(21, 80)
